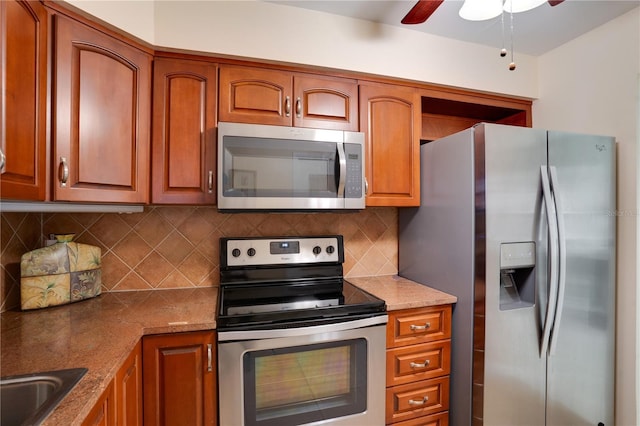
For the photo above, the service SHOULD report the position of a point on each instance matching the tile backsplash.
(173, 247)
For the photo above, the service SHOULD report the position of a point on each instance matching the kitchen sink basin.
(29, 398)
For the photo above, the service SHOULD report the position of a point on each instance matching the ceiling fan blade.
(421, 11)
(555, 2)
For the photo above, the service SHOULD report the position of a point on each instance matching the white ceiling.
(535, 32)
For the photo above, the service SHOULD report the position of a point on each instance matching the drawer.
(440, 419)
(421, 325)
(405, 402)
(418, 362)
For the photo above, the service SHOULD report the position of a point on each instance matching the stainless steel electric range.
(298, 344)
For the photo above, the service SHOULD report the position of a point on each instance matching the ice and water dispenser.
(517, 275)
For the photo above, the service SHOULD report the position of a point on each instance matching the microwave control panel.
(353, 182)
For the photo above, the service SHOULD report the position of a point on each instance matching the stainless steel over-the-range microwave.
(289, 168)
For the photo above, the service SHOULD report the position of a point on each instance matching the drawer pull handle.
(419, 402)
(420, 327)
(419, 365)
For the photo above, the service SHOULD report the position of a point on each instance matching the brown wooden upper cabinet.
(267, 96)
(390, 119)
(184, 132)
(101, 105)
(23, 55)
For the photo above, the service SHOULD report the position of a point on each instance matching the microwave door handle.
(342, 162)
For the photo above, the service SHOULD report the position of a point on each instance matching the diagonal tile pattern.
(177, 246)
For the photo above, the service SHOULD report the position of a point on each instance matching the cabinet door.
(179, 379)
(184, 136)
(128, 390)
(390, 118)
(103, 412)
(255, 95)
(102, 117)
(326, 103)
(23, 55)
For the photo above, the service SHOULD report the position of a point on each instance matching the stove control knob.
(317, 250)
(331, 249)
(235, 252)
(251, 252)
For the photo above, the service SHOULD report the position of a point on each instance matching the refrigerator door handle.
(553, 260)
(562, 252)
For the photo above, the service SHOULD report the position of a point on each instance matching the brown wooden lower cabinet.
(128, 389)
(103, 412)
(121, 402)
(418, 366)
(179, 379)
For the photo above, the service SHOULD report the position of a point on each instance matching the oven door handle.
(227, 336)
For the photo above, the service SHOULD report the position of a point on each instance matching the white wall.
(263, 30)
(591, 85)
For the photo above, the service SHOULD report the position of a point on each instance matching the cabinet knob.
(287, 106)
(63, 172)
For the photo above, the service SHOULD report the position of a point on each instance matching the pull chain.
(503, 51)
(512, 65)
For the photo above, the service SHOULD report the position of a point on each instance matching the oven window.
(304, 384)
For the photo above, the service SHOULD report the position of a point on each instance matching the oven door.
(329, 375)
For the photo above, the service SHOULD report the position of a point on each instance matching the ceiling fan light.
(522, 5)
(480, 10)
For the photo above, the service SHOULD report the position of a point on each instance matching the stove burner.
(264, 288)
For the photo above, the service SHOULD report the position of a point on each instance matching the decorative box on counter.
(62, 273)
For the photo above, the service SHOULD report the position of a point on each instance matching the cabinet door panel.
(255, 95)
(23, 55)
(328, 103)
(184, 137)
(390, 117)
(179, 379)
(102, 114)
(103, 412)
(128, 389)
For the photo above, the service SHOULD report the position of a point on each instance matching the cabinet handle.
(3, 161)
(63, 172)
(419, 402)
(298, 107)
(419, 365)
(210, 181)
(420, 327)
(209, 357)
(366, 186)
(287, 106)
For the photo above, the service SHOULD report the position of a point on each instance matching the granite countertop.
(401, 293)
(97, 334)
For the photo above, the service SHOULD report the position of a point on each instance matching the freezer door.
(580, 374)
(508, 226)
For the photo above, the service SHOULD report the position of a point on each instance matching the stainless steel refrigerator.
(519, 224)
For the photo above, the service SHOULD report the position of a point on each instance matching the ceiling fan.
(423, 9)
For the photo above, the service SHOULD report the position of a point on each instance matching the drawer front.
(418, 362)
(440, 419)
(417, 399)
(412, 326)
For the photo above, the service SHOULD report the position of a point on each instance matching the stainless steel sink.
(29, 398)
